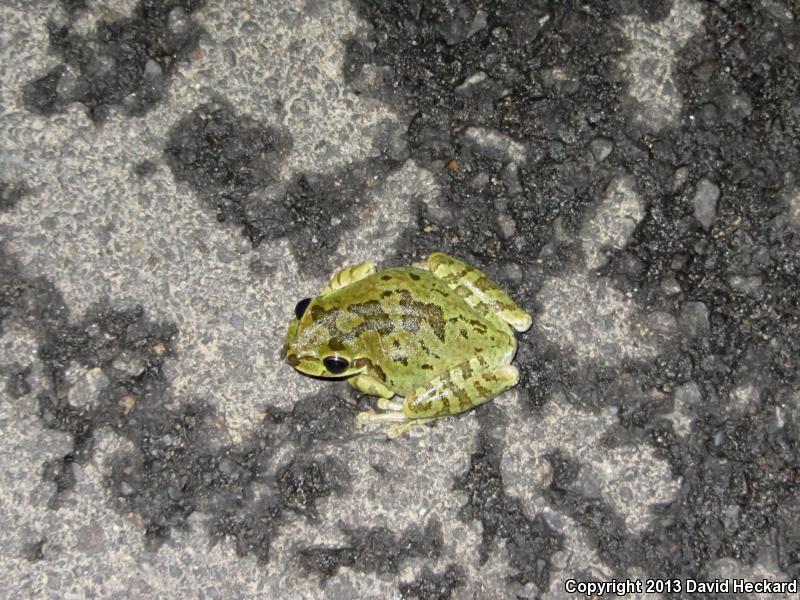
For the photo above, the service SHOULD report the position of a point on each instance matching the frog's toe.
(421, 264)
(518, 319)
(391, 405)
(399, 429)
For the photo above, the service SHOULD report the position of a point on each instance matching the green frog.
(438, 333)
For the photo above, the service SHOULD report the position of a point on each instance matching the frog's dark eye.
(300, 308)
(335, 364)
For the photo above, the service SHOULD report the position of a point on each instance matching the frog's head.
(313, 347)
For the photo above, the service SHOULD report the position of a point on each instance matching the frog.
(430, 340)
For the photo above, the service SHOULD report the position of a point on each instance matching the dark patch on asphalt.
(606, 528)
(253, 520)
(530, 543)
(72, 6)
(320, 417)
(34, 303)
(491, 66)
(738, 471)
(232, 162)
(125, 63)
(34, 551)
(552, 85)
(17, 385)
(540, 371)
(145, 168)
(739, 481)
(180, 463)
(223, 154)
(374, 550)
(11, 193)
(302, 481)
(434, 586)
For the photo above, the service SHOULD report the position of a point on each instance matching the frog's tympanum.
(438, 334)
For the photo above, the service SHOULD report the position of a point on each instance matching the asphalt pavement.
(175, 175)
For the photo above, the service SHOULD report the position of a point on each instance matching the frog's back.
(400, 294)
(412, 325)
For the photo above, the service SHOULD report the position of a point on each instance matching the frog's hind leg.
(459, 389)
(348, 275)
(477, 290)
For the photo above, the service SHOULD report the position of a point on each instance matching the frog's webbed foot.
(421, 264)
(477, 290)
(392, 413)
(399, 429)
(370, 417)
(391, 410)
(348, 275)
(390, 405)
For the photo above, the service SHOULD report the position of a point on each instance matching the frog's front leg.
(348, 275)
(477, 290)
(464, 387)
(370, 385)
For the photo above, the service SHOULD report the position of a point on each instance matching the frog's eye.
(335, 364)
(300, 308)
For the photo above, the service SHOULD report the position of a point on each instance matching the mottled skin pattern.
(437, 334)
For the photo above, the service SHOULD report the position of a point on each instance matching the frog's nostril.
(292, 360)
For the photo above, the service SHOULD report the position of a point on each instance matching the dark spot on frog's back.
(386, 277)
(374, 318)
(431, 313)
(316, 312)
(335, 344)
(478, 326)
(482, 390)
(414, 276)
(484, 284)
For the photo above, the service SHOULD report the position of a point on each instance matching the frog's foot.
(348, 275)
(390, 405)
(421, 264)
(370, 417)
(477, 290)
(399, 429)
(392, 413)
